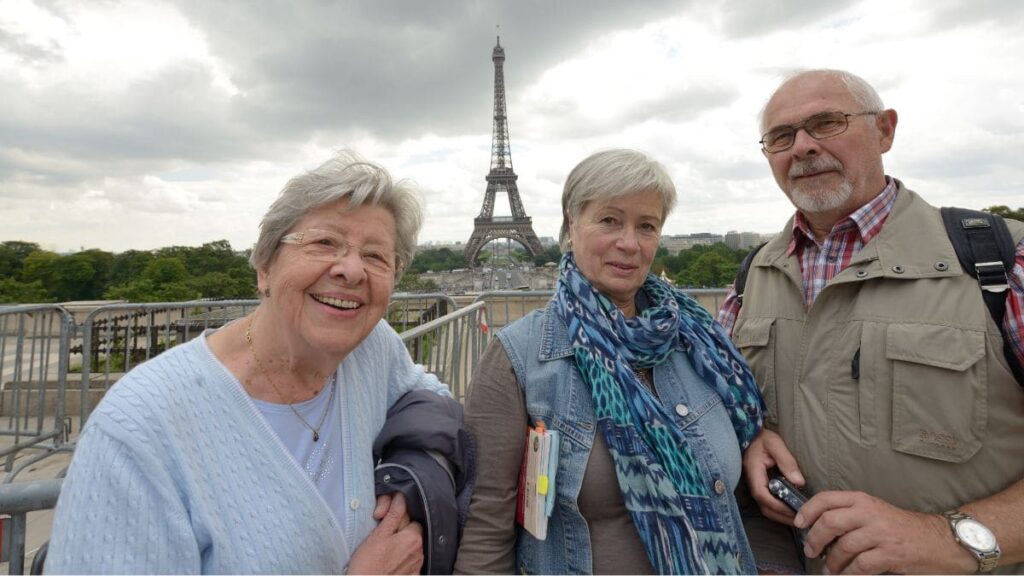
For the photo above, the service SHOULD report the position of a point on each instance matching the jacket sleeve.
(425, 452)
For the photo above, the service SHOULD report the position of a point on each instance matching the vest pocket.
(753, 337)
(939, 393)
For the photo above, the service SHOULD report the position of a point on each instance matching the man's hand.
(861, 534)
(395, 546)
(768, 451)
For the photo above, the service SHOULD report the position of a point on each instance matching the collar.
(867, 219)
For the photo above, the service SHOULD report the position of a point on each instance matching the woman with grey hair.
(651, 402)
(248, 449)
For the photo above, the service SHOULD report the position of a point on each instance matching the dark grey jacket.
(425, 452)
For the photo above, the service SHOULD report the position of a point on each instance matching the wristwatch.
(976, 538)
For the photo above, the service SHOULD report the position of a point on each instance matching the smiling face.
(329, 306)
(614, 243)
(828, 178)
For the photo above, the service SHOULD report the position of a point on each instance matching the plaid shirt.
(819, 263)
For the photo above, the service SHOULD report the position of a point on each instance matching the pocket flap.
(753, 332)
(940, 346)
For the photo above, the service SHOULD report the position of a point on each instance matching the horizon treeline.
(29, 274)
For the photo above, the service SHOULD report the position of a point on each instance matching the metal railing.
(33, 378)
(16, 501)
(450, 346)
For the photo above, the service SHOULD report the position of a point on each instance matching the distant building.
(675, 244)
(741, 240)
(455, 246)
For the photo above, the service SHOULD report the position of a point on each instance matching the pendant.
(316, 436)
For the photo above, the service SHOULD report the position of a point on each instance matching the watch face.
(975, 535)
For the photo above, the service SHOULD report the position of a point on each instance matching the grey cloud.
(26, 52)
(955, 13)
(739, 18)
(396, 67)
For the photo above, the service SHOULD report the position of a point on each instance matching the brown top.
(496, 414)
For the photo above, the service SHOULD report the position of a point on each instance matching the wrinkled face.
(615, 241)
(833, 175)
(331, 303)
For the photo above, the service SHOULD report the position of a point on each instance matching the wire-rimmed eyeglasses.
(328, 246)
(820, 126)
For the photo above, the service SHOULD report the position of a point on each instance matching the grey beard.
(822, 200)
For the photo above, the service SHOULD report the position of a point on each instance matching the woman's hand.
(768, 451)
(395, 546)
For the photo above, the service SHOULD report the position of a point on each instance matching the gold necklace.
(333, 384)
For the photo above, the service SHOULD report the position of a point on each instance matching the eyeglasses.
(327, 246)
(820, 126)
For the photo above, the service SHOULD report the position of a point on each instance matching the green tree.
(1006, 212)
(411, 282)
(40, 266)
(437, 259)
(12, 256)
(128, 266)
(550, 254)
(71, 277)
(223, 285)
(165, 279)
(14, 292)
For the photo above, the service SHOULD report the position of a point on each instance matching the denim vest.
(540, 350)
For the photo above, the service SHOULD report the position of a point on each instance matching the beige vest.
(934, 418)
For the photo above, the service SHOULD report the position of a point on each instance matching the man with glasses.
(889, 398)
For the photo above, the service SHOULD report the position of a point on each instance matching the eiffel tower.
(501, 178)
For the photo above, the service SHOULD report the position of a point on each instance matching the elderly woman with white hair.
(248, 449)
(652, 403)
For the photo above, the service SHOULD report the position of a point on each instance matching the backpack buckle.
(992, 276)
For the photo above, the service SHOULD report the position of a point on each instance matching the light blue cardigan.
(176, 471)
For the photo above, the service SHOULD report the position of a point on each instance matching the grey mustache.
(812, 166)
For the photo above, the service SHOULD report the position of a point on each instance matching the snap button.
(941, 266)
(442, 539)
(682, 410)
(387, 478)
(862, 273)
(719, 487)
(897, 269)
(354, 504)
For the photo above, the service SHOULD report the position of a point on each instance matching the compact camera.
(784, 490)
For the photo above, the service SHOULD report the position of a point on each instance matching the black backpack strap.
(986, 250)
(740, 283)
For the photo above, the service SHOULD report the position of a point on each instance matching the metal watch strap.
(987, 561)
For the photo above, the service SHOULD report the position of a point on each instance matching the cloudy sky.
(146, 124)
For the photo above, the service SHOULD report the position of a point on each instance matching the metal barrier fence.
(450, 346)
(33, 378)
(16, 501)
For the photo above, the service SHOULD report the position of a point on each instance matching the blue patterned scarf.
(662, 482)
